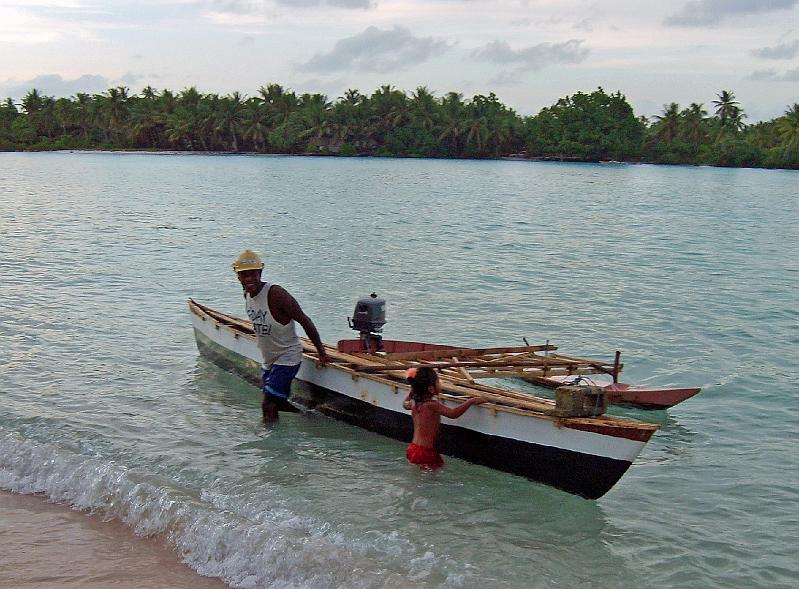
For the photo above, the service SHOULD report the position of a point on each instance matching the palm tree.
(788, 130)
(694, 126)
(729, 112)
(147, 118)
(113, 110)
(84, 113)
(477, 133)
(8, 111)
(352, 97)
(668, 123)
(230, 116)
(180, 128)
(278, 102)
(8, 114)
(32, 102)
(149, 93)
(255, 124)
(453, 122)
(389, 109)
(39, 110)
(315, 113)
(347, 119)
(424, 108)
(489, 130)
(190, 121)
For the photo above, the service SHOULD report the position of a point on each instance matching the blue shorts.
(277, 380)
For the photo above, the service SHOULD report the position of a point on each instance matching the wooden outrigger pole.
(471, 364)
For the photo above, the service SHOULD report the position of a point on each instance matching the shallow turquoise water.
(691, 272)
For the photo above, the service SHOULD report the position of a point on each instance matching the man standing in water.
(273, 312)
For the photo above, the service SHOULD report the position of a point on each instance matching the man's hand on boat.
(323, 357)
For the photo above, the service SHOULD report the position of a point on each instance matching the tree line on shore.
(594, 126)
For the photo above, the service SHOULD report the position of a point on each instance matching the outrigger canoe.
(550, 369)
(514, 432)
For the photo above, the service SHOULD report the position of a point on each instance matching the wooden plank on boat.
(503, 396)
(476, 364)
(602, 367)
(466, 352)
(511, 396)
(463, 371)
(524, 372)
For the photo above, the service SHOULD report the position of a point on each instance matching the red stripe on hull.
(638, 433)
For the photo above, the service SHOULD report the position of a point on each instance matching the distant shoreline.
(590, 127)
(507, 158)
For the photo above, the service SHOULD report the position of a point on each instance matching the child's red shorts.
(424, 457)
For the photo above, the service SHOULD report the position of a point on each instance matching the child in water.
(426, 413)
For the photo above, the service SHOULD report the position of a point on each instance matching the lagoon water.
(106, 406)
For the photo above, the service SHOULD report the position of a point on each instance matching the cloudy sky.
(529, 52)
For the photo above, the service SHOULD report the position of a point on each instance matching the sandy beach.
(47, 545)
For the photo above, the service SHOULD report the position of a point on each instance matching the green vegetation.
(583, 127)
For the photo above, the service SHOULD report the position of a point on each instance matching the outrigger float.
(567, 443)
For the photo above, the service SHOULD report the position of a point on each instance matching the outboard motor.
(368, 320)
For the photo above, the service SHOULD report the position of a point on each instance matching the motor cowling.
(369, 316)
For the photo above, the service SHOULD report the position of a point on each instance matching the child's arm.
(406, 404)
(456, 412)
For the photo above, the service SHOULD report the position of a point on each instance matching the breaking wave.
(217, 534)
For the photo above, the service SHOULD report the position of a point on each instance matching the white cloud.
(772, 76)
(378, 51)
(362, 4)
(781, 51)
(535, 57)
(260, 7)
(20, 27)
(226, 18)
(34, 23)
(55, 85)
(699, 13)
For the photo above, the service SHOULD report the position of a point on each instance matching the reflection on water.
(212, 384)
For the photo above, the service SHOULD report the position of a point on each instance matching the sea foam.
(217, 534)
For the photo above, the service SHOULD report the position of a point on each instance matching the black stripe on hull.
(586, 475)
(582, 474)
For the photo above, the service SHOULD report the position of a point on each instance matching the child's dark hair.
(421, 379)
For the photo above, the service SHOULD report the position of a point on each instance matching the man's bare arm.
(289, 306)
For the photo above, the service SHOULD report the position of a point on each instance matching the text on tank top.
(278, 343)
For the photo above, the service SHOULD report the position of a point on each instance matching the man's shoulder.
(281, 300)
(277, 293)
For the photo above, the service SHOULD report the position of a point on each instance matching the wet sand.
(47, 545)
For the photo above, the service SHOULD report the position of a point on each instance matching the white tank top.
(279, 344)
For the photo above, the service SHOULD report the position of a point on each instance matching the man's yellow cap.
(248, 260)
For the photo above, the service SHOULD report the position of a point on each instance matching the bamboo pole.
(529, 372)
(465, 352)
(539, 363)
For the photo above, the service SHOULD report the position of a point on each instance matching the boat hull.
(581, 456)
